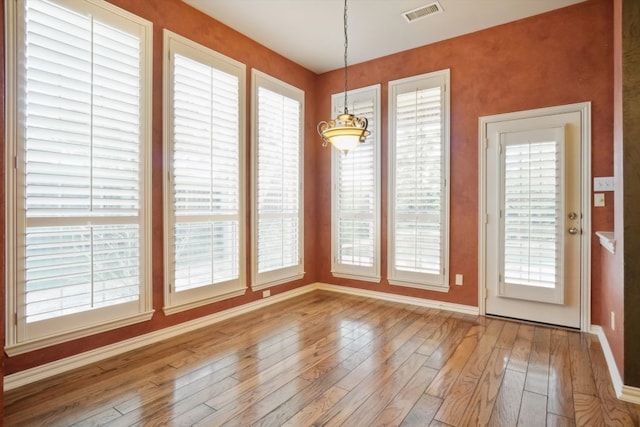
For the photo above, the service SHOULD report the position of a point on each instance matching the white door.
(533, 218)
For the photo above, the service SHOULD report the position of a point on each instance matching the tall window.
(204, 134)
(418, 191)
(277, 173)
(78, 92)
(355, 221)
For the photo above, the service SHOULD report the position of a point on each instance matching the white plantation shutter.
(278, 181)
(203, 141)
(356, 194)
(80, 155)
(419, 170)
(70, 269)
(531, 217)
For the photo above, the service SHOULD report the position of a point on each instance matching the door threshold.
(530, 322)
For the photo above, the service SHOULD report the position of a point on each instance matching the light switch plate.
(598, 200)
(603, 183)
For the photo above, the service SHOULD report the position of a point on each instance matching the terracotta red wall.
(560, 57)
(184, 20)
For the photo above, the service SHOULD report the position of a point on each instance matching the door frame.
(584, 108)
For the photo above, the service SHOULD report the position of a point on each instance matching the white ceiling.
(310, 33)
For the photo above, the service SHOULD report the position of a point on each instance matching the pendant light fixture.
(346, 131)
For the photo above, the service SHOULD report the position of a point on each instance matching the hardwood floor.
(332, 359)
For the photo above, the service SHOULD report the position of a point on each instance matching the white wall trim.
(442, 305)
(623, 392)
(616, 379)
(630, 394)
(41, 372)
(607, 240)
(63, 365)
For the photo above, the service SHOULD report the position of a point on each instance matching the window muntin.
(418, 193)
(355, 219)
(277, 171)
(77, 222)
(203, 141)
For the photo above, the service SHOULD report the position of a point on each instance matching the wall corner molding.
(607, 240)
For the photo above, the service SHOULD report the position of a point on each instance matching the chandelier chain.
(346, 131)
(346, 46)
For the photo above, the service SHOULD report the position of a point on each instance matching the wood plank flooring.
(326, 359)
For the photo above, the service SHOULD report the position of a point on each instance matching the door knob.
(573, 215)
(573, 230)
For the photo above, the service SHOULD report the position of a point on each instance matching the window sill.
(607, 240)
(260, 286)
(27, 346)
(177, 308)
(374, 279)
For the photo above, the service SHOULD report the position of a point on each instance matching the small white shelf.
(607, 240)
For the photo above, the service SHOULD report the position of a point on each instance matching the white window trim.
(295, 272)
(185, 300)
(145, 310)
(369, 274)
(412, 279)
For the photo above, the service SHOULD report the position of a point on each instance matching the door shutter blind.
(82, 162)
(356, 200)
(531, 215)
(419, 181)
(206, 163)
(278, 181)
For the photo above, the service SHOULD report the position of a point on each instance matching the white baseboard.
(76, 361)
(442, 305)
(623, 392)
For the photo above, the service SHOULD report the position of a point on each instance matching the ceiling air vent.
(422, 12)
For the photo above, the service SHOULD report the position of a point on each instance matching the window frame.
(396, 276)
(100, 319)
(287, 274)
(365, 273)
(175, 302)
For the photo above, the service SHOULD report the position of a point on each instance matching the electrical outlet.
(459, 279)
(266, 293)
(613, 321)
(598, 200)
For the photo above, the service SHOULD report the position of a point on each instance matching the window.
(531, 246)
(204, 140)
(418, 175)
(78, 169)
(277, 181)
(355, 221)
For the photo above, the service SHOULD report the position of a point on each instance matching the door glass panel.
(531, 214)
